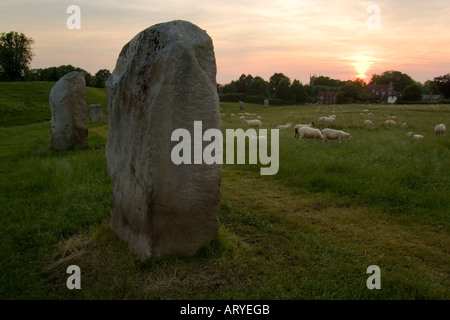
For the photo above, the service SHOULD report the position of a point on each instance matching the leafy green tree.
(349, 93)
(259, 87)
(283, 90)
(399, 80)
(412, 92)
(443, 83)
(431, 87)
(16, 53)
(298, 92)
(244, 83)
(274, 83)
(229, 87)
(328, 82)
(100, 78)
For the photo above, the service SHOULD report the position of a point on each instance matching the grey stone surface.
(95, 113)
(67, 102)
(164, 79)
(241, 105)
(266, 103)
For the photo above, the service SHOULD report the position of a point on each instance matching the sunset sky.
(295, 37)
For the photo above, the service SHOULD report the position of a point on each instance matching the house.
(432, 97)
(384, 93)
(326, 97)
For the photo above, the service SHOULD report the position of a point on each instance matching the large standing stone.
(266, 103)
(241, 105)
(165, 79)
(95, 113)
(68, 106)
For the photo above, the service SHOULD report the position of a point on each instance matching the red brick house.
(384, 93)
(326, 97)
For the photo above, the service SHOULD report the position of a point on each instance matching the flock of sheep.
(305, 131)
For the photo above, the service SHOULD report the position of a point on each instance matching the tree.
(349, 93)
(229, 87)
(16, 53)
(443, 83)
(100, 78)
(298, 92)
(283, 90)
(328, 82)
(399, 80)
(412, 92)
(259, 87)
(431, 87)
(244, 83)
(274, 82)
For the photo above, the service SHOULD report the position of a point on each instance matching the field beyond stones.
(308, 232)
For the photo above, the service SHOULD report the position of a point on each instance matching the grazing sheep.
(258, 117)
(440, 128)
(368, 123)
(307, 132)
(390, 123)
(232, 114)
(414, 136)
(332, 134)
(298, 126)
(252, 123)
(284, 126)
(370, 114)
(405, 124)
(327, 119)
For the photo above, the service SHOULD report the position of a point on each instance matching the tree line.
(16, 53)
(281, 89)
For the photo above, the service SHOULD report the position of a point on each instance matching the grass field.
(308, 232)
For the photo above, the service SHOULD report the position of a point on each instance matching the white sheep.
(390, 123)
(414, 136)
(327, 119)
(298, 126)
(333, 134)
(440, 128)
(258, 117)
(368, 123)
(284, 126)
(307, 132)
(252, 123)
(370, 114)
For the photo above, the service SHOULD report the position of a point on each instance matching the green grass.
(309, 232)
(27, 102)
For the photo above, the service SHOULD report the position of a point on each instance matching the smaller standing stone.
(241, 105)
(266, 103)
(95, 113)
(68, 105)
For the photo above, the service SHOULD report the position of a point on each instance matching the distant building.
(326, 97)
(384, 93)
(312, 79)
(432, 97)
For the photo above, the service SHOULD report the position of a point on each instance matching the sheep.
(232, 114)
(284, 126)
(332, 134)
(252, 123)
(298, 126)
(368, 123)
(440, 128)
(414, 136)
(253, 137)
(258, 117)
(390, 123)
(370, 114)
(307, 132)
(327, 119)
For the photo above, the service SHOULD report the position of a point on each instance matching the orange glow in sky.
(296, 37)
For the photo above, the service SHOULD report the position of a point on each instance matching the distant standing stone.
(68, 106)
(266, 103)
(165, 79)
(95, 113)
(241, 105)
